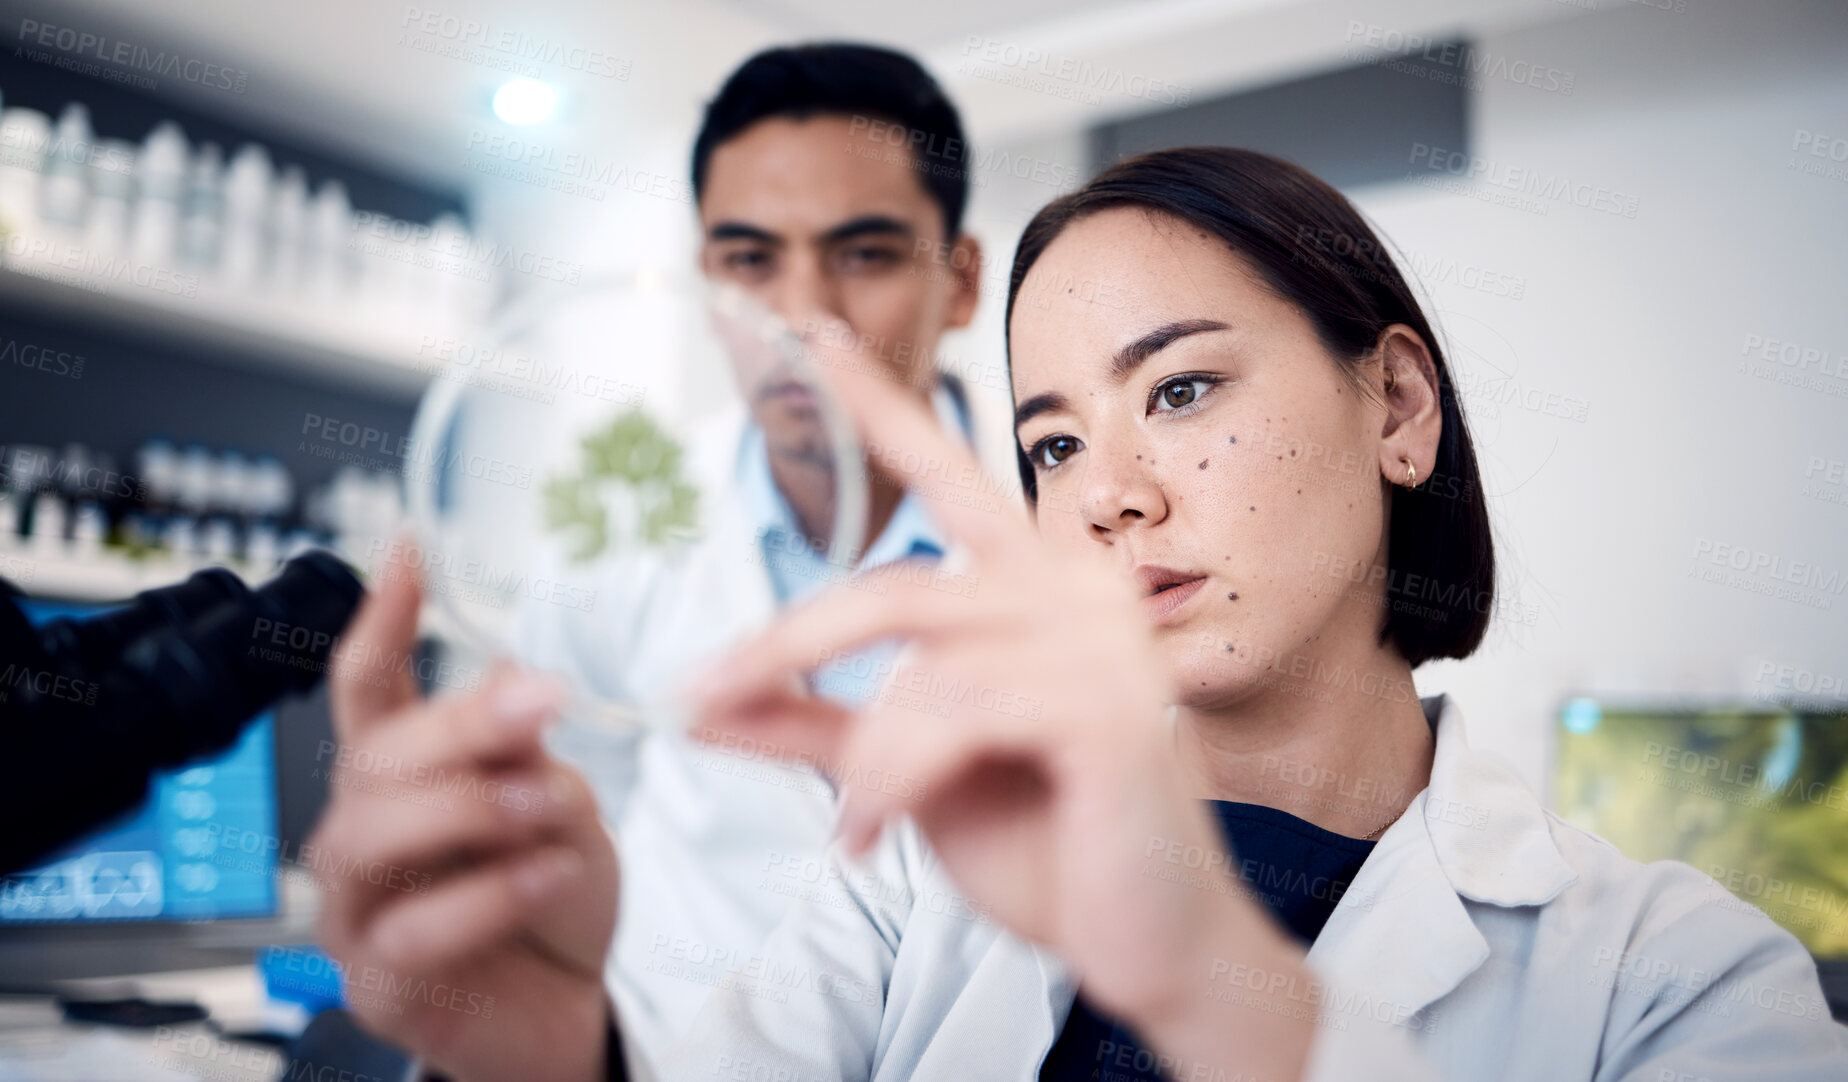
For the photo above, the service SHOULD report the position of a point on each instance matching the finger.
(897, 760)
(905, 442)
(500, 725)
(785, 724)
(383, 838)
(472, 911)
(838, 622)
(371, 680)
(574, 929)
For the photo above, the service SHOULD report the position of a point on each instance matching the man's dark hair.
(1313, 249)
(841, 79)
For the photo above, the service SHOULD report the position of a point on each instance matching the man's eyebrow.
(865, 225)
(741, 231)
(1038, 404)
(1131, 356)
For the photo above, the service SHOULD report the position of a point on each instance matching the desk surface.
(36, 1045)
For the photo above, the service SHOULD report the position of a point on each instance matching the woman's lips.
(1164, 603)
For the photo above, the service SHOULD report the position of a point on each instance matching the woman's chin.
(1205, 683)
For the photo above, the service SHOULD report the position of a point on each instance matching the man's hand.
(468, 887)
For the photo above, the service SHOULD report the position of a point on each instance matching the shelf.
(62, 574)
(258, 331)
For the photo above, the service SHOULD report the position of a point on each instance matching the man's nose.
(806, 298)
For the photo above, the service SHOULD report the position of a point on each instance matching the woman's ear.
(1414, 418)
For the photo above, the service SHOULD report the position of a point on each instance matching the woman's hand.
(1024, 728)
(468, 886)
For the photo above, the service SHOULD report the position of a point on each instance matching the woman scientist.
(1150, 793)
(1233, 417)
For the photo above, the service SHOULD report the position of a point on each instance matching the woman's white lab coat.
(1483, 939)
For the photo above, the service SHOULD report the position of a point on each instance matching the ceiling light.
(525, 101)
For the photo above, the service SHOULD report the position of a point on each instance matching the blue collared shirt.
(797, 571)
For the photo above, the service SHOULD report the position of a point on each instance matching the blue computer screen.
(200, 847)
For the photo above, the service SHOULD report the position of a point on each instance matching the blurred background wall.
(1629, 218)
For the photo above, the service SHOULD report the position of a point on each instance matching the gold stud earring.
(1411, 475)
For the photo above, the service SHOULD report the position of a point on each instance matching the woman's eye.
(1179, 393)
(746, 260)
(1053, 450)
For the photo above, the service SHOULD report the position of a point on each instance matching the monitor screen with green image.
(1755, 796)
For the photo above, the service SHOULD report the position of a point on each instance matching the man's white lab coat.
(697, 830)
(1483, 939)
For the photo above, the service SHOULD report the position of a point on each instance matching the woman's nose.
(1116, 495)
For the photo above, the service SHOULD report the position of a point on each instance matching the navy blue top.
(1300, 871)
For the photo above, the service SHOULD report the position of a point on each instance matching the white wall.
(1645, 321)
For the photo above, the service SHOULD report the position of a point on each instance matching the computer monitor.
(193, 876)
(1755, 795)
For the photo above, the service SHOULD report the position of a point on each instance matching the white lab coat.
(1484, 938)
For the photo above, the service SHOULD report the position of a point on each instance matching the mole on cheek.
(1231, 439)
(1203, 463)
(1254, 508)
(1232, 597)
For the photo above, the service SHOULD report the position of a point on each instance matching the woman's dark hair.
(851, 80)
(1312, 248)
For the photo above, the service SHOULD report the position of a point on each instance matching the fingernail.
(546, 872)
(525, 698)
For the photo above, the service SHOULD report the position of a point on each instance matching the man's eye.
(1053, 450)
(747, 260)
(1179, 393)
(869, 257)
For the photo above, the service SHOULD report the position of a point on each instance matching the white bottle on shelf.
(66, 191)
(24, 135)
(160, 173)
(460, 281)
(231, 484)
(247, 204)
(404, 299)
(330, 231)
(195, 479)
(202, 212)
(88, 529)
(157, 466)
(48, 521)
(288, 224)
(112, 186)
(377, 261)
(272, 489)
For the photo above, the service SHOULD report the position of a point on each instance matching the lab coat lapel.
(1402, 931)
(1400, 936)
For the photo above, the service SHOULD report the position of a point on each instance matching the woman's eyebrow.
(1038, 404)
(1131, 356)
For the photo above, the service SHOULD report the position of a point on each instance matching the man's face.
(822, 219)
